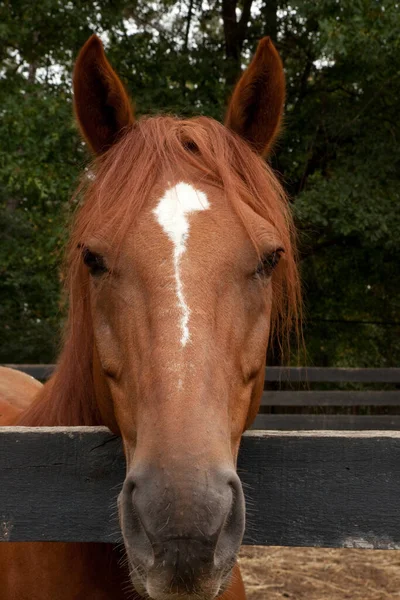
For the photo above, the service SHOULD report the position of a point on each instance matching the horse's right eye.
(94, 262)
(268, 263)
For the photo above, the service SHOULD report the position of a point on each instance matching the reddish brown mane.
(123, 180)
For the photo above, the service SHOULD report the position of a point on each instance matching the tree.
(338, 155)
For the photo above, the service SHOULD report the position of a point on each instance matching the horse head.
(182, 257)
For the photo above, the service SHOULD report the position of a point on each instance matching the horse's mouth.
(159, 584)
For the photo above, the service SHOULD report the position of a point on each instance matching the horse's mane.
(115, 189)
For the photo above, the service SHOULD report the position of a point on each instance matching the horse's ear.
(256, 107)
(102, 106)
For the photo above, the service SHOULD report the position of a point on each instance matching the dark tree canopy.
(338, 155)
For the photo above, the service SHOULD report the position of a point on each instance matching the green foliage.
(346, 184)
(339, 153)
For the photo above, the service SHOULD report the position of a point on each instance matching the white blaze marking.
(172, 214)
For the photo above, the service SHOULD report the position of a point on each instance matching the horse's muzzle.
(182, 531)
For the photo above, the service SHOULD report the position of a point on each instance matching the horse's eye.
(268, 263)
(94, 262)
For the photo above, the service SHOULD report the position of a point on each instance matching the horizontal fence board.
(284, 374)
(332, 375)
(304, 422)
(330, 398)
(328, 489)
(36, 371)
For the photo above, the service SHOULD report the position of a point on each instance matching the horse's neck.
(68, 398)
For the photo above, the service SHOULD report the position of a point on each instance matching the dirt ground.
(316, 574)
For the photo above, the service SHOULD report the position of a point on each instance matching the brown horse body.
(174, 287)
(17, 391)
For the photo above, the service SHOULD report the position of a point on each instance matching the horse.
(180, 266)
(17, 391)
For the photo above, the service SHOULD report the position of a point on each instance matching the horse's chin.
(181, 595)
(151, 587)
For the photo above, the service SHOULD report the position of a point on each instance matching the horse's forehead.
(174, 208)
(186, 197)
(191, 216)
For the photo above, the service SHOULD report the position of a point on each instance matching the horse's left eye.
(94, 262)
(268, 263)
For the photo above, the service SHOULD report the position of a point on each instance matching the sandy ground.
(315, 574)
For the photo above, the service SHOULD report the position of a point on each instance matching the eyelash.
(268, 263)
(94, 262)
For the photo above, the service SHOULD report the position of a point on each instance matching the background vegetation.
(339, 155)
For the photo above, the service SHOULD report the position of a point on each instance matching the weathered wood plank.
(328, 489)
(58, 483)
(332, 375)
(288, 422)
(36, 371)
(330, 398)
(294, 374)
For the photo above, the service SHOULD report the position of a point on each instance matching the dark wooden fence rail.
(322, 399)
(327, 489)
(41, 372)
(332, 375)
(313, 398)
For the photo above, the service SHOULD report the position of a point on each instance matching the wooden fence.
(304, 488)
(322, 400)
(275, 401)
(327, 489)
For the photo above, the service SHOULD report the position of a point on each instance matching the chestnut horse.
(174, 288)
(17, 391)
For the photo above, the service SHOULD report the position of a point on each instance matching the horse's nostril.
(233, 528)
(136, 539)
